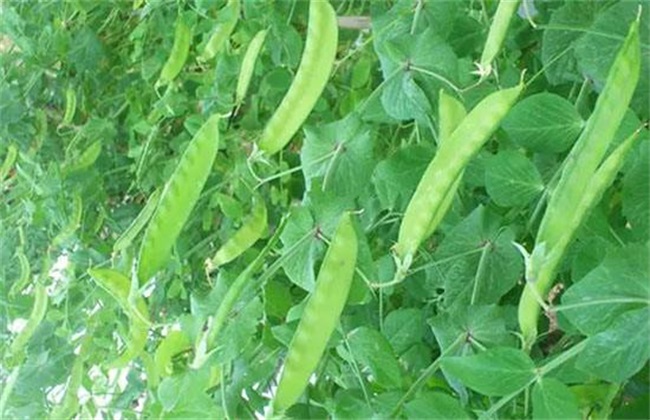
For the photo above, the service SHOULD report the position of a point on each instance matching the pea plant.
(325, 209)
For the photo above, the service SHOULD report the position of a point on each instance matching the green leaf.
(396, 177)
(618, 285)
(495, 372)
(299, 266)
(341, 153)
(371, 349)
(434, 405)
(403, 99)
(554, 400)
(511, 179)
(544, 123)
(404, 328)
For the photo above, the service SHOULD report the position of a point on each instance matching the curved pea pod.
(119, 287)
(175, 342)
(127, 237)
(10, 159)
(250, 232)
(25, 273)
(498, 30)
(73, 224)
(222, 31)
(311, 77)
(320, 316)
(248, 65)
(70, 403)
(86, 159)
(16, 352)
(444, 170)
(179, 53)
(178, 199)
(70, 106)
(451, 113)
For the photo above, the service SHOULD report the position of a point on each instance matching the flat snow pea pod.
(311, 77)
(86, 159)
(228, 17)
(320, 316)
(498, 30)
(445, 168)
(450, 114)
(178, 199)
(251, 230)
(70, 403)
(119, 287)
(544, 270)
(25, 273)
(248, 65)
(127, 237)
(591, 146)
(39, 308)
(178, 55)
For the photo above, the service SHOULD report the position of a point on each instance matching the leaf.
(553, 400)
(544, 123)
(434, 405)
(460, 270)
(403, 99)
(495, 372)
(342, 154)
(299, 266)
(396, 177)
(619, 284)
(371, 349)
(511, 179)
(620, 351)
(404, 328)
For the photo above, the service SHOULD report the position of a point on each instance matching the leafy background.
(364, 147)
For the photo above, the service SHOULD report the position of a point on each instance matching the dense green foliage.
(100, 102)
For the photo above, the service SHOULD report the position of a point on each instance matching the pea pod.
(10, 159)
(311, 77)
(444, 170)
(70, 403)
(570, 200)
(127, 237)
(70, 106)
(73, 224)
(119, 287)
(179, 53)
(16, 352)
(86, 159)
(174, 343)
(178, 198)
(248, 65)
(320, 316)
(222, 31)
(25, 273)
(451, 114)
(498, 30)
(251, 230)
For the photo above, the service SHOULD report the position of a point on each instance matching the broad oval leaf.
(511, 179)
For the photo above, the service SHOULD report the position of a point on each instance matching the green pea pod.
(16, 352)
(248, 65)
(10, 159)
(310, 81)
(86, 159)
(250, 232)
(25, 273)
(582, 168)
(70, 403)
(175, 342)
(119, 287)
(543, 272)
(222, 31)
(178, 199)
(179, 53)
(70, 106)
(451, 114)
(127, 237)
(320, 316)
(448, 164)
(73, 224)
(498, 30)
